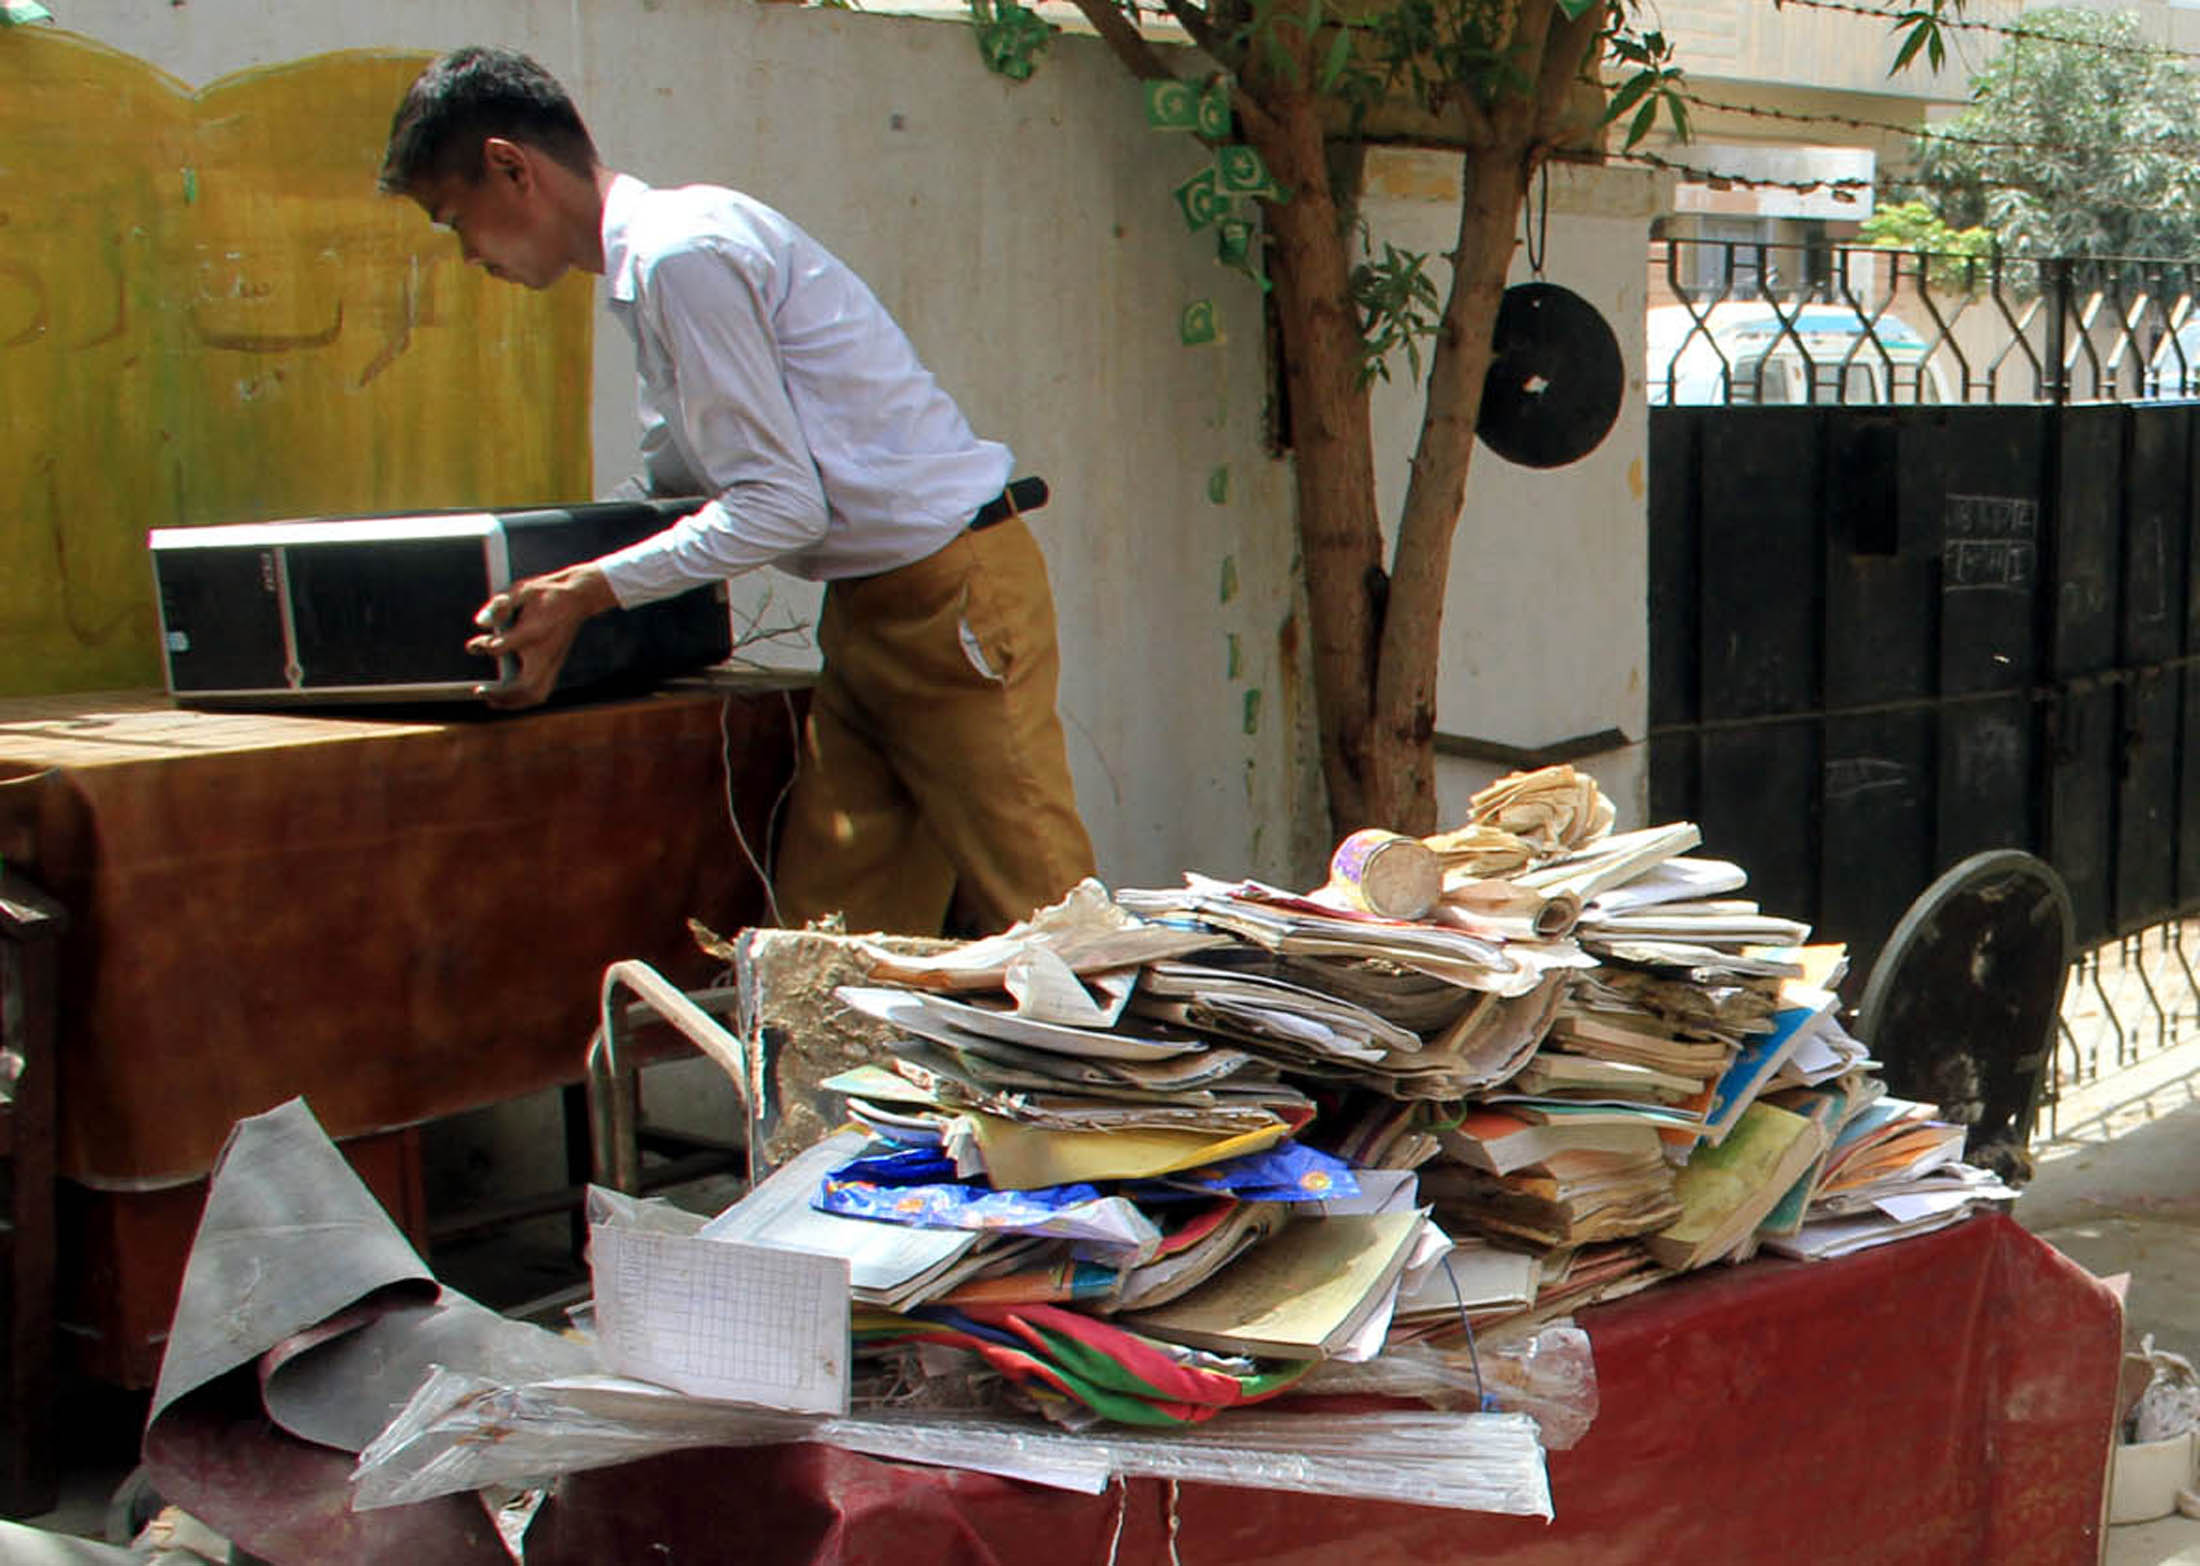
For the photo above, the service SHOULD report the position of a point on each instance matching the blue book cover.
(1759, 1057)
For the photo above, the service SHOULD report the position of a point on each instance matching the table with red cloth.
(1948, 1400)
(397, 915)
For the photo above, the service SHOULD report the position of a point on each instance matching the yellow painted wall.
(207, 314)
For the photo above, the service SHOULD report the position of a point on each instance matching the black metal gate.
(1885, 638)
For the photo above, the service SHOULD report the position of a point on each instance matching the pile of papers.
(1157, 1155)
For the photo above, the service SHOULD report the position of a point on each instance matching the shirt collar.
(621, 205)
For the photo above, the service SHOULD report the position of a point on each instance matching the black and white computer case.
(336, 611)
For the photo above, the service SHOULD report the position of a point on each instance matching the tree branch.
(1565, 56)
(1264, 129)
(1139, 57)
(1200, 29)
(1514, 115)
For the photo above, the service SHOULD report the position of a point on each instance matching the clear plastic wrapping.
(462, 1433)
(1550, 1376)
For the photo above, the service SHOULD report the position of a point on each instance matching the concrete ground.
(2119, 1192)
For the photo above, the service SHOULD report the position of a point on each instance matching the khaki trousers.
(932, 765)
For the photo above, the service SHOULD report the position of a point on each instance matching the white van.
(1745, 353)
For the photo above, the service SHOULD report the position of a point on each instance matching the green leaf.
(1645, 117)
(1010, 38)
(1333, 63)
(1915, 41)
(1575, 8)
(1197, 326)
(1630, 93)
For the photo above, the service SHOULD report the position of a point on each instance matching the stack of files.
(1884, 1145)
(1318, 1288)
(1477, 1284)
(1314, 1033)
(1717, 922)
(1829, 1106)
(1385, 1133)
(1034, 1104)
(1303, 1026)
(1086, 932)
(1683, 1117)
(1827, 1050)
(1566, 1281)
(1570, 1198)
(1499, 1139)
(1803, 1013)
(888, 1265)
(1684, 878)
(1419, 1001)
(1570, 1280)
(1689, 962)
(1201, 1245)
(1610, 861)
(1726, 1191)
(1823, 1054)
(1287, 923)
(1561, 1074)
(1495, 907)
(1731, 1010)
(1947, 1195)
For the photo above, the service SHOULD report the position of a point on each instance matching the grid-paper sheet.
(719, 1319)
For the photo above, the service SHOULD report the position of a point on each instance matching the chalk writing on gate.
(1989, 541)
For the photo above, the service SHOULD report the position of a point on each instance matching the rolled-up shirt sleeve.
(730, 417)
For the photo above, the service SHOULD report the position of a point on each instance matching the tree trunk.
(1402, 726)
(1376, 635)
(1403, 723)
(1333, 449)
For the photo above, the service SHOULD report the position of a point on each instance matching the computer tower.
(336, 611)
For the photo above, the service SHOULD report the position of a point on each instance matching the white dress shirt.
(774, 381)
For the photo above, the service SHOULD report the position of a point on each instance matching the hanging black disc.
(1554, 386)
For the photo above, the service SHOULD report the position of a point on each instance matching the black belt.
(1026, 494)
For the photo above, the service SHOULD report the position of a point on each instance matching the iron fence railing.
(1737, 322)
(2130, 1017)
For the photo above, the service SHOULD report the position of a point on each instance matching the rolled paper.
(1387, 873)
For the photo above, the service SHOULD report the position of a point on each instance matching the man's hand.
(534, 622)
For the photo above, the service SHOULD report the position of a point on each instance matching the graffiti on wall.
(208, 314)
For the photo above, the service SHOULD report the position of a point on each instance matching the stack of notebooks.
(1224, 1131)
(1890, 1170)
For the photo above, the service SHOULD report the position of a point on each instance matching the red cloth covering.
(1945, 1401)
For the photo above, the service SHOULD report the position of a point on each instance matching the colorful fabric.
(1115, 1373)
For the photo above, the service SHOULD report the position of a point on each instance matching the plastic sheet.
(1550, 1376)
(462, 1433)
(2169, 1405)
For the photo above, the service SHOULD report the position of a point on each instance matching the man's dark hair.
(468, 96)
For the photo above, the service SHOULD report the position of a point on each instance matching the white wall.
(1025, 236)
(1545, 635)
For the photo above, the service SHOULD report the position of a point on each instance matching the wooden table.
(397, 917)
